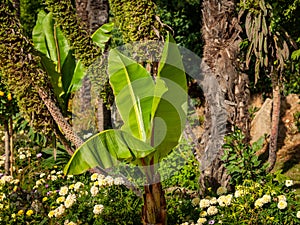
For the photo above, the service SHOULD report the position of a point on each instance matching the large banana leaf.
(133, 88)
(106, 150)
(170, 114)
(50, 41)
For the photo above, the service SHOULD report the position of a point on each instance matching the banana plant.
(154, 116)
(57, 57)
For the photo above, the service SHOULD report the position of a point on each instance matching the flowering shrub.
(272, 202)
(34, 196)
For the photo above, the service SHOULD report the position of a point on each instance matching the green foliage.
(240, 160)
(28, 14)
(180, 169)
(297, 120)
(186, 25)
(180, 207)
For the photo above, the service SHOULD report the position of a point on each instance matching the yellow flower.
(203, 214)
(71, 186)
(9, 97)
(60, 199)
(21, 212)
(195, 201)
(29, 212)
(1, 93)
(45, 199)
(13, 215)
(94, 177)
(51, 214)
(201, 221)
(221, 190)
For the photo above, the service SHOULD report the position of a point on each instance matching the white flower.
(266, 199)
(94, 177)
(185, 223)
(53, 177)
(221, 190)
(94, 191)
(59, 211)
(70, 200)
(228, 199)
(298, 215)
(204, 203)
(201, 221)
(282, 204)
(78, 185)
(118, 181)
(98, 209)
(63, 190)
(238, 193)
(281, 198)
(109, 180)
(42, 175)
(213, 201)
(258, 203)
(22, 156)
(212, 210)
(288, 183)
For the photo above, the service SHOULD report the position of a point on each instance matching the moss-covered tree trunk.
(221, 36)
(93, 13)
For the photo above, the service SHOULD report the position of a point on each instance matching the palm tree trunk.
(221, 36)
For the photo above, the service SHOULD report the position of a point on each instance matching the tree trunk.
(93, 13)
(7, 147)
(274, 124)
(11, 145)
(221, 36)
(155, 208)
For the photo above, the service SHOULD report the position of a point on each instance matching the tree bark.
(93, 13)
(221, 36)
(7, 147)
(154, 211)
(274, 124)
(11, 145)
